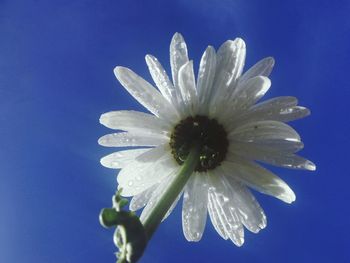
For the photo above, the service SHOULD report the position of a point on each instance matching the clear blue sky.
(56, 62)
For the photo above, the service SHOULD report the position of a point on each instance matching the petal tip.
(177, 37)
(291, 199)
(239, 242)
(195, 237)
(150, 58)
(104, 163)
(103, 119)
(239, 42)
(271, 61)
(101, 141)
(288, 196)
(124, 191)
(310, 166)
(307, 111)
(210, 48)
(119, 70)
(265, 80)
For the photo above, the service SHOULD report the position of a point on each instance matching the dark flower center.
(207, 133)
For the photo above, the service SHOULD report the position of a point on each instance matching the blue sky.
(56, 62)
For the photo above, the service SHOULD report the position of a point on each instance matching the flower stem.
(171, 193)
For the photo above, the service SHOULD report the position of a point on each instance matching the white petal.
(120, 159)
(261, 131)
(251, 214)
(138, 176)
(125, 139)
(178, 58)
(194, 210)
(292, 161)
(291, 114)
(262, 68)
(157, 194)
(161, 188)
(154, 154)
(278, 146)
(178, 55)
(275, 104)
(159, 151)
(214, 216)
(243, 97)
(229, 66)
(188, 87)
(277, 158)
(172, 207)
(273, 109)
(164, 84)
(134, 121)
(146, 94)
(282, 115)
(230, 62)
(259, 178)
(227, 213)
(206, 74)
(250, 92)
(160, 78)
(140, 200)
(267, 146)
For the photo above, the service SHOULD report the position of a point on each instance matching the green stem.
(171, 193)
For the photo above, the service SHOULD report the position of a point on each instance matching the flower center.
(207, 133)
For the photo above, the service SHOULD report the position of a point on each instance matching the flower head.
(219, 113)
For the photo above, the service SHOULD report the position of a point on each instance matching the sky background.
(56, 79)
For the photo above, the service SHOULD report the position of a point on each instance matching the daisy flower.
(216, 114)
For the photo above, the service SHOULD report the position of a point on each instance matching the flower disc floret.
(208, 134)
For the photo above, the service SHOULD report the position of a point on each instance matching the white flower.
(218, 111)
